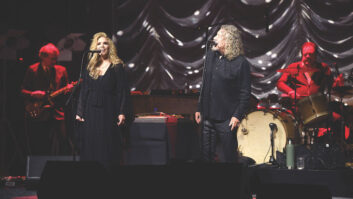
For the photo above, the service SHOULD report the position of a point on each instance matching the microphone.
(94, 51)
(211, 42)
(273, 126)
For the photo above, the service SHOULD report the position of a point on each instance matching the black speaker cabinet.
(68, 179)
(150, 141)
(293, 191)
(180, 180)
(35, 164)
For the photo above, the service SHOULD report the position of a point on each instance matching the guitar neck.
(60, 91)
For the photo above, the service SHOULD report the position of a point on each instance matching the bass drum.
(254, 134)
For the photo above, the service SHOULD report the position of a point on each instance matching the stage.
(182, 180)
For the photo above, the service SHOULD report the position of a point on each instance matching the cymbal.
(297, 70)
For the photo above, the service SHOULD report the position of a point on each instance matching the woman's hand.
(198, 117)
(80, 119)
(121, 119)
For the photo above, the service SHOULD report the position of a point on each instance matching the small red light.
(21, 59)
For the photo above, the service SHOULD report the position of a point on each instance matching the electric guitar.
(39, 109)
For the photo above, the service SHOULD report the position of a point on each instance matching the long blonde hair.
(95, 60)
(233, 43)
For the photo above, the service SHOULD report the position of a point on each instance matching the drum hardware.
(244, 131)
(302, 137)
(342, 109)
(265, 111)
(275, 115)
(253, 139)
(310, 134)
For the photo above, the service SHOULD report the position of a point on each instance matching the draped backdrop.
(163, 41)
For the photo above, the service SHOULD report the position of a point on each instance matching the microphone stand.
(202, 118)
(205, 28)
(74, 90)
(78, 81)
(272, 157)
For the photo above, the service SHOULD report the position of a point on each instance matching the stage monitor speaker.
(35, 164)
(149, 142)
(68, 179)
(293, 191)
(180, 180)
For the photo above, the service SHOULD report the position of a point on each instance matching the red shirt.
(305, 83)
(37, 79)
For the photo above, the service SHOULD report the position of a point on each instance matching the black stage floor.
(82, 180)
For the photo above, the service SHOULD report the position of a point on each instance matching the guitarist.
(46, 122)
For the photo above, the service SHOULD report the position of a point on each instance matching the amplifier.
(35, 164)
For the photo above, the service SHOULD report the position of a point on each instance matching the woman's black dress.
(100, 103)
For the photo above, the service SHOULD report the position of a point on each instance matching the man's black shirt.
(226, 87)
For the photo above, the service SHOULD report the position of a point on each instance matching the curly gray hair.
(233, 43)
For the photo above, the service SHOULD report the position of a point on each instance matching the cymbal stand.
(295, 112)
(342, 122)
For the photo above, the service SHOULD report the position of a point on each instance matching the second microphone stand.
(272, 160)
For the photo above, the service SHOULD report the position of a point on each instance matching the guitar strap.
(52, 74)
(50, 77)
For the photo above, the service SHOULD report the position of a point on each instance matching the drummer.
(316, 78)
(308, 76)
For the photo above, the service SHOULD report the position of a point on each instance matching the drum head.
(254, 134)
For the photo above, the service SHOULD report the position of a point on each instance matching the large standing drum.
(313, 109)
(254, 134)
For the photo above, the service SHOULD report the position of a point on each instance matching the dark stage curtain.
(163, 41)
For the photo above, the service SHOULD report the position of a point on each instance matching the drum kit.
(295, 119)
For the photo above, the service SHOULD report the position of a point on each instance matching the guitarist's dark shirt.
(37, 79)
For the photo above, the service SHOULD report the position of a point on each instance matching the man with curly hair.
(224, 96)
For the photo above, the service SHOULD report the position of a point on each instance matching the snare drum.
(254, 134)
(313, 109)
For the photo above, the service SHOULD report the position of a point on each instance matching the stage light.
(120, 33)
(131, 65)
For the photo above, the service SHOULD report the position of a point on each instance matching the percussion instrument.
(254, 138)
(313, 109)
